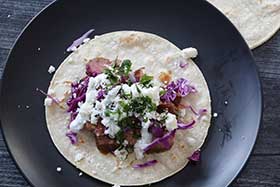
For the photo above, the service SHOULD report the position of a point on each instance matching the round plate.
(224, 58)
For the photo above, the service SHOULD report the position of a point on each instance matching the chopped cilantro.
(115, 71)
(120, 136)
(146, 80)
(162, 92)
(142, 104)
(137, 88)
(125, 67)
(111, 76)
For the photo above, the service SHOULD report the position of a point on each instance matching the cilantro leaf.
(146, 80)
(125, 68)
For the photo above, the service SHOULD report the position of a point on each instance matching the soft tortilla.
(143, 49)
(256, 20)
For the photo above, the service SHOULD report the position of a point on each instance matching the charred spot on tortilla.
(123, 108)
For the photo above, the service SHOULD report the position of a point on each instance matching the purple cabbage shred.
(79, 41)
(72, 137)
(78, 94)
(55, 100)
(100, 95)
(156, 131)
(195, 156)
(184, 126)
(146, 164)
(181, 87)
(199, 113)
(165, 141)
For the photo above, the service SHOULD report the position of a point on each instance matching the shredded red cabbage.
(100, 95)
(79, 41)
(78, 94)
(183, 64)
(55, 100)
(181, 87)
(184, 126)
(72, 137)
(195, 156)
(156, 131)
(146, 164)
(199, 113)
(165, 141)
(169, 96)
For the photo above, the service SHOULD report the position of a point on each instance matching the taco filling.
(128, 107)
(127, 111)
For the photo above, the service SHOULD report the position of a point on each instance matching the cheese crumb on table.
(58, 169)
(51, 69)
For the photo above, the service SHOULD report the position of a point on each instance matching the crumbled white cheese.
(48, 101)
(58, 169)
(112, 128)
(153, 93)
(51, 69)
(125, 143)
(93, 172)
(77, 124)
(146, 138)
(151, 115)
(121, 154)
(171, 122)
(85, 110)
(116, 185)
(215, 114)
(51, 91)
(79, 157)
(189, 53)
(134, 91)
(87, 107)
(86, 40)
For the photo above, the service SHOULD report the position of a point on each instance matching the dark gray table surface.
(263, 167)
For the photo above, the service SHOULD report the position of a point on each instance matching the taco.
(128, 108)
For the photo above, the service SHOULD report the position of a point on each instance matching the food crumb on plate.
(80, 174)
(58, 169)
(226, 102)
(215, 114)
(9, 16)
(116, 185)
(27, 106)
(48, 101)
(39, 49)
(51, 69)
(79, 157)
(93, 172)
(18, 106)
(86, 40)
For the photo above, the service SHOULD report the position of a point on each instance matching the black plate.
(224, 59)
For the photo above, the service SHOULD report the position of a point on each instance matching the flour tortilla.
(256, 20)
(144, 50)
